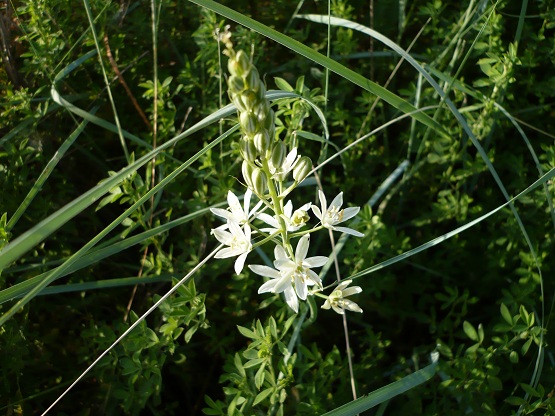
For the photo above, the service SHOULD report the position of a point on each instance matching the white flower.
(334, 214)
(293, 276)
(279, 173)
(235, 212)
(293, 220)
(239, 242)
(337, 299)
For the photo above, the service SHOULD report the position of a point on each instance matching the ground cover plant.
(249, 208)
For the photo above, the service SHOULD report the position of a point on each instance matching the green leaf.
(506, 314)
(239, 365)
(254, 362)
(529, 390)
(259, 376)
(526, 346)
(470, 331)
(283, 84)
(247, 332)
(262, 395)
(516, 401)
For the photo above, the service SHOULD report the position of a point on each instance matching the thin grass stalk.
(133, 325)
(105, 76)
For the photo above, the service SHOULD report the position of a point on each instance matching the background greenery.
(142, 74)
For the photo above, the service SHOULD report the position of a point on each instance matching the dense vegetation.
(115, 142)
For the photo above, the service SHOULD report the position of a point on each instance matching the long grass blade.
(386, 393)
(332, 65)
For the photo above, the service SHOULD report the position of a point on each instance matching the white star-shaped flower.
(235, 212)
(292, 277)
(238, 241)
(329, 216)
(293, 220)
(337, 299)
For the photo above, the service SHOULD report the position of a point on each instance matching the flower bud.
(243, 61)
(239, 102)
(248, 123)
(262, 110)
(278, 154)
(235, 84)
(248, 150)
(250, 99)
(302, 168)
(233, 67)
(259, 181)
(262, 142)
(246, 169)
(299, 218)
(252, 80)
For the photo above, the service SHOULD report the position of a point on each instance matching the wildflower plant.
(268, 164)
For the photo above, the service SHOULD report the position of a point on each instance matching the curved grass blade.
(388, 392)
(56, 273)
(46, 173)
(94, 256)
(332, 65)
(549, 175)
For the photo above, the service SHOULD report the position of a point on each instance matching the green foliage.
(481, 298)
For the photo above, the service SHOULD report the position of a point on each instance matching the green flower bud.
(302, 168)
(239, 103)
(248, 123)
(248, 150)
(259, 181)
(262, 110)
(246, 170)
(278, 154)
(235, 84)
(252, 80)
(244, 62)
(233, 67)
(250, 99)
(262, 142)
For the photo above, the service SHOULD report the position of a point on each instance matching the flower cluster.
(267, 165)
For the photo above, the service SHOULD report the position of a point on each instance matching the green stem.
(277, 207)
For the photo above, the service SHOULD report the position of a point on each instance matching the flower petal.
(288, 209)
(233, 201)
(265, 271)
(280, 253)
(247, 201)
(302, 248)
(323, 202)
(268, 286)
(225, 253)
(337, 201)
(224, 213)
(352, 306)
(268, 219)
(291, 299)
(282, 284)
(349, 213)
(316, 212)
(317, 261)
(348, 231)
(352, 291)
(222, 236)
(315, 278)
(240, 263)
(337, 309)
(300, 287)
